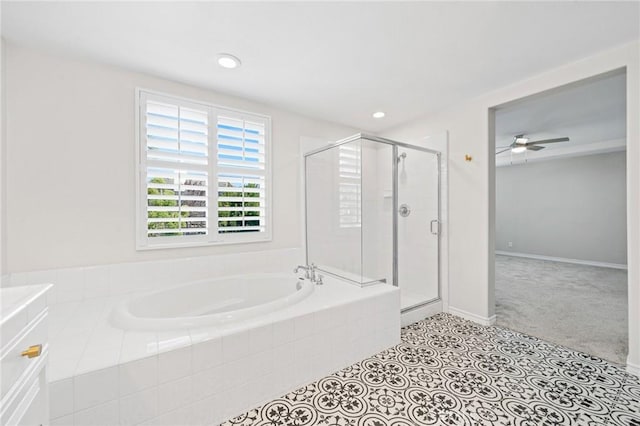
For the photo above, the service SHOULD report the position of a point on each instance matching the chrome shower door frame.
(395, 145)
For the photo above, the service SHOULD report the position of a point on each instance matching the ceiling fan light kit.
(521, 144)
(520, 139)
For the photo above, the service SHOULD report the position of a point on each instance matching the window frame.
(213, 237)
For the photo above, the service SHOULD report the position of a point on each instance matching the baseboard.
(563, 260)
(417, 314)
(633, 368)
(473, 317)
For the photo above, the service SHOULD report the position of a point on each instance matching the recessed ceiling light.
(378, 114)
(518, 149)
(226, 60)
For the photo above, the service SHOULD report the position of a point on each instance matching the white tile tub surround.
(89, 282)
(204, 376)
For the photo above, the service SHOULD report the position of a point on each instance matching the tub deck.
(100, 371)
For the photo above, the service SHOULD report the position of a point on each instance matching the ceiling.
(592, 113)
(338, 61)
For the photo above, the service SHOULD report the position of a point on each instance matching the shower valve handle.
(404, 210)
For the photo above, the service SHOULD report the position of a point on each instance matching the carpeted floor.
(581, 307)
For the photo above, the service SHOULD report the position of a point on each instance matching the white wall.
(71, 169)
(471, 213)
(3, 146)
(567, 207)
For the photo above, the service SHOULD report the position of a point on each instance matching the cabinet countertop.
(15, 299)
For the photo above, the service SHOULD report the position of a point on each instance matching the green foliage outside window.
(175, 215)
(239, 205)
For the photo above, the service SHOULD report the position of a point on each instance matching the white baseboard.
(563, 259)
(473, 317)
(633, 368)
(420, 313)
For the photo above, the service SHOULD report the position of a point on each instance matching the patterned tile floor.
(449, 371)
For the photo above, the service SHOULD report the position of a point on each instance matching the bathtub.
(204, 351)
(207, 303)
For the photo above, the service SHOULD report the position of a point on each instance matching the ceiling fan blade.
(500, 152)
(548, 141)
(535, 148)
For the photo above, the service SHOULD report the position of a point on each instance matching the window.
(350, 186)
(204, 174)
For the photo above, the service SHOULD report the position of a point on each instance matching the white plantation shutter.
(199, 162)
(241, 161)
(349, 186)
(177, 169)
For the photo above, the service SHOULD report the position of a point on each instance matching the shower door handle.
(437, 227)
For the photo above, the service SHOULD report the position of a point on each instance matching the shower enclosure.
(373, 214)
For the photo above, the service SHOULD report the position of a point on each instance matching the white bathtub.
(176, 341)
(210, 302)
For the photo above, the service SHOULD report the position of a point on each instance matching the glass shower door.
(418, 226)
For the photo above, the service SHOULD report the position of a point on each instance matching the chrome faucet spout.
(306, 269)
(310, 273)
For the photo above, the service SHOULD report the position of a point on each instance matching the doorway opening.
(560, 215)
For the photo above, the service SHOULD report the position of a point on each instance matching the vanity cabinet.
(24, 398)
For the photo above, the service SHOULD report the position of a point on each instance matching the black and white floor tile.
(449, 371)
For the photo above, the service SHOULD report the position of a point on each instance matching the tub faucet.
(310, 273)
(304, 268)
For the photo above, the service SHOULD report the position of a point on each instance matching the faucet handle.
(319, 280)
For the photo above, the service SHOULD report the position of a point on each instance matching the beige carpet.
(581, 307)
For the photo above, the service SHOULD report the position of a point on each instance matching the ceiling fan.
(522, 144)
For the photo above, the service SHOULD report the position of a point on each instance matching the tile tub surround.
(450, 371)
(203, 376)
(100, 281)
